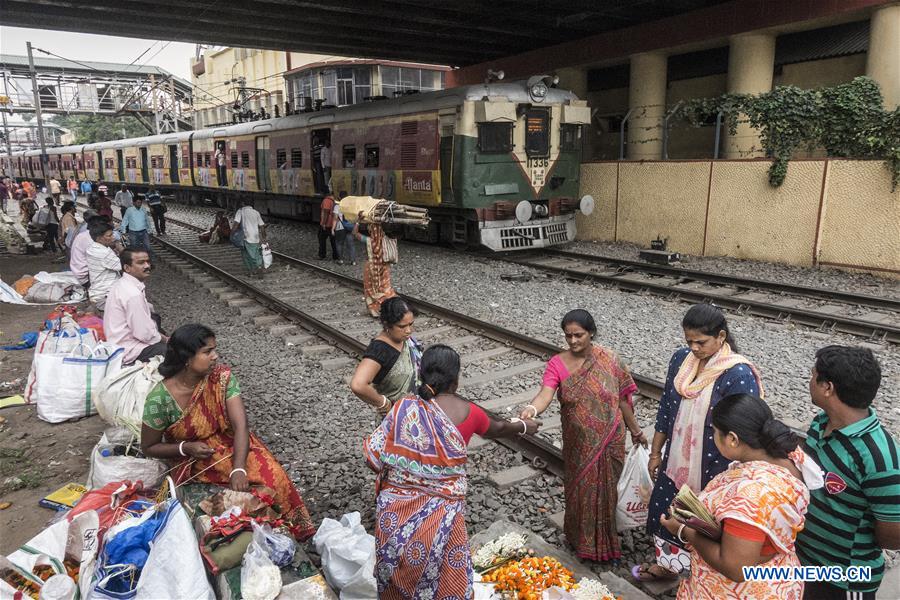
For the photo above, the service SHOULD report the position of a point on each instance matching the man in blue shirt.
(137, 223)
(157, 209)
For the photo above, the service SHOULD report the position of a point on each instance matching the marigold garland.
(529, 577)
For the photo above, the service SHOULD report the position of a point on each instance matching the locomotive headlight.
(538, 91)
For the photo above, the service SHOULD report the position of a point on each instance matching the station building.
(295, 81)
(664, 178)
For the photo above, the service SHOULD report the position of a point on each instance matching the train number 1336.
(538, 162)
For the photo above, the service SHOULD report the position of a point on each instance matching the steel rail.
(541, 453)
(803, 316)
(734, 280)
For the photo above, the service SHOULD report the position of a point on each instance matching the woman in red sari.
(195, 418)
(104, 205)
(594, 390)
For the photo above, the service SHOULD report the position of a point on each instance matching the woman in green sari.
(389, 369)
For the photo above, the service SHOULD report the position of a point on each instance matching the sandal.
(642, 573)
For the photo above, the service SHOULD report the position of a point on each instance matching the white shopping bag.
(120, 399)
(68, 384)
(348, 556)
(75, 540)
(107, 467)
(266, 255)
(61, 340)
(634, 488)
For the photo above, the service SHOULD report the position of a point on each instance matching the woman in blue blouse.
(698, 377)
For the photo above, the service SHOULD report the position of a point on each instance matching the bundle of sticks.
(367, 209)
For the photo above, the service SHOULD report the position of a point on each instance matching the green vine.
(847, 120)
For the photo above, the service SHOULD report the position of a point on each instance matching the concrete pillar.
(883, 59)
(574, 79)
(751, 66)
(647, 101)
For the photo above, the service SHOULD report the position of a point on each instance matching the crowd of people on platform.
(832, 499)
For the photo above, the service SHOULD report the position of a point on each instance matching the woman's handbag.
(389, 250)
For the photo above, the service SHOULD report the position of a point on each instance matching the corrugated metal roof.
(86, 66)
(818, 44)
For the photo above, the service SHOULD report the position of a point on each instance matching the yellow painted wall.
(747, 218)
(666, 199)
(600, 182)
(861, 216)
(822, 73)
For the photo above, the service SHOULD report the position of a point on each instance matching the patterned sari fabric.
(420, 525)
(765, 496)
(594, 452)
(376, 273)
(403, 378)
(206, 420)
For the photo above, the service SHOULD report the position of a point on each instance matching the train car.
(496, 164)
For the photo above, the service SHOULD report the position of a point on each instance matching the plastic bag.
(260, 578)
(634, 488)
(120, 399)
(280, 547)
(64, 337)
(68, 383)
(266, 255)
(107, 467)
(348, 556)
(75, 540)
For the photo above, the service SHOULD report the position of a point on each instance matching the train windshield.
(537, 133)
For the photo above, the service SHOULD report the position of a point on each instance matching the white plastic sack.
(110, 468)
(634, 488)
(266, 255)
(68, 384)
(61, 341)
(76, 539)
(46, 293)
(120, 399)
(348, 557)
(260, 578)
(175, 568)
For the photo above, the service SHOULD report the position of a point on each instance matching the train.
(496, 164)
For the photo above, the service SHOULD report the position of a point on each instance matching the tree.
(89, 129)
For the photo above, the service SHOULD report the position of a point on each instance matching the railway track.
(308, 304)
(872, 317)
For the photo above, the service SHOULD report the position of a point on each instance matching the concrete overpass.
(458, 33)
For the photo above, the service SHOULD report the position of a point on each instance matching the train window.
(207, 159)
(537, 133)
(245, 159)
(371, 156)
(495, 137)
(570, 138)
(281, 158)
(349, 157)
(153, 162)
(234, 160)
(199, 159)
(296, 158)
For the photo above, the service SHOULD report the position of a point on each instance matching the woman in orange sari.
(594, 389)
(760, 502)
(195, 418)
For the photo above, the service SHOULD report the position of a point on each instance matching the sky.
(174, 57)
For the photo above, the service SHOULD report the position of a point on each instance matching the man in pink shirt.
(127, 320)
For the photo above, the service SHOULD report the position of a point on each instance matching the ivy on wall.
(847, 120)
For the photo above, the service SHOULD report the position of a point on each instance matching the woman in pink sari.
(594, 389)
(759, 501)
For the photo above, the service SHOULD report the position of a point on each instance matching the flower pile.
(591, 589)
(506, 547)
(529, 577)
